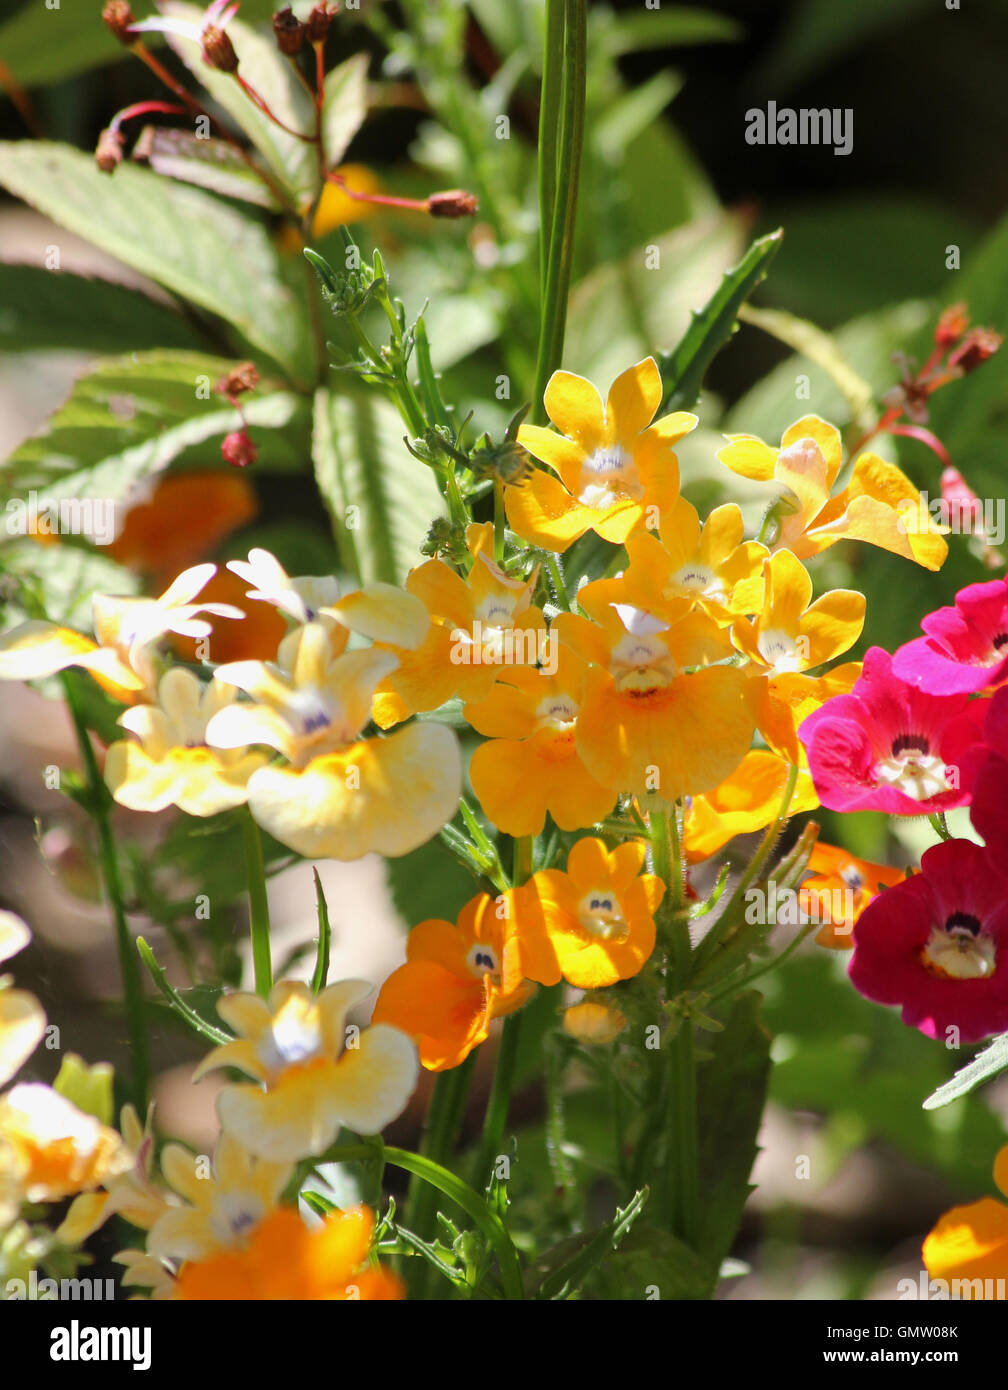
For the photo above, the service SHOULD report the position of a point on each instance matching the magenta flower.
(965, 648)
(989, 776)
(887, 746)
(938, 945)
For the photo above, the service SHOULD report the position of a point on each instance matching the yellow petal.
(22, 1024)
(634, 397)
(575, 407)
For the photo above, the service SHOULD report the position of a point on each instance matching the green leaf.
(362, 463)
(429, 882)
(49, 309)
(664, 28)
(128, 419)
(40, 46)
(344, 106)
(731, 1093)
(262, 65)
(633, 112)
(985, 1064)
(89, 1088)
(684, 368)
(211, 164)
(822, 349)
(175, 1000)
(621, 311)
(321, 972)
(185, 239)
(560, 1271)
(653, 1264)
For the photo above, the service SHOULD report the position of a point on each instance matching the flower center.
(698, 579)
(600, 912)
(960, 950)
(609, 475)
(234, 1215)
(781, 651)
(913, 769)
(556, 712)
(482, 960)
(293, 1038)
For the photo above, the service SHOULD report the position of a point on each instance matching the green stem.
(559, 234)
(435, 1176)
(549, 126)
(556, 574)
(444, 1117)
(495, 1121)
(681, 1127)
(259, 919)
(129, 969)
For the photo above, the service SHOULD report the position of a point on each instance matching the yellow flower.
(60, 1150)
(22, 1018)
(171, 764)
(284, 1259)
(592, 925)
(593, 1023)
(335, 209)
(873, 507)
(130, 1193)
(531, 764)
(748, 800)
(971, 1242)
(456, 980)
(480, 625)
(712, 566)
(125, 630)
(221, 1210)
(616, 471)
(316, 1073)
(790, 636)
(657, 716)
(342, 795)
(856, 881)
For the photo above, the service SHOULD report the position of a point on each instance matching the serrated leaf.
(264, 68)
(184, 238)
(127, 420)
(211, 164)
(731, 1093)
(683, 369)
(564, 1267)
(652, 1263)
(361, 462)
(344, 106)
(985, 1064)
(49, 309)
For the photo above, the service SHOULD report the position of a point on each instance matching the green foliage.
(185, 239)
(52, 310)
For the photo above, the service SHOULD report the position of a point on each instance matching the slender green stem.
(556, 574)
(435, 1176)
(129, 969)
(549, 126)
(444, 1117)
(567, 170)
(259, 919)
(495, 1121)
(681, 1127)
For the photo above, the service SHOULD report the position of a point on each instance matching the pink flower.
(965, 648)
(989, 808)
(938, 945)
(889, 747)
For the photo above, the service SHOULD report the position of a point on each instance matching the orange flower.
(657, 716)
(840, 890)
(593, 1023)
(971, 1242)
(616, 471)
(479, 626)
(253, 638)
(183, 519)
(879, 505)
(284, 1259)
(592, 925)
(531, 764)
(455, 981)
(747, 800)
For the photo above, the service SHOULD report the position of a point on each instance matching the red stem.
(258, 101)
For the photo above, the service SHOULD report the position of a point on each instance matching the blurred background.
(852, 1172)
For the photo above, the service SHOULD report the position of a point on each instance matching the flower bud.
(964, 506)
(118, 17)
(454, 202)
(974, 350)
(318, 23)
(244, 377)
(218, 50)
(952, 324)
(109, 152)
(238, 450)
(289, 32)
